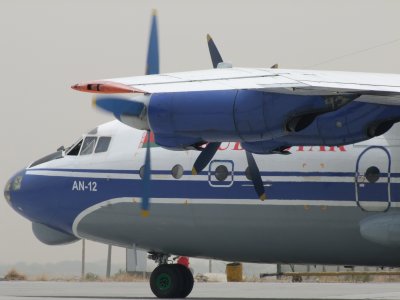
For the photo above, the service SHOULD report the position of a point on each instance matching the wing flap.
(384, 89)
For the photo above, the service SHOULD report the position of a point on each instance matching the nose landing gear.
(170, 280)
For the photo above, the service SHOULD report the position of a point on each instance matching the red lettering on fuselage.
(224, 146)
(320, 148)
(236, 146)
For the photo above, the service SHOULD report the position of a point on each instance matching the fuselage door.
(220, 173)
(372, 179)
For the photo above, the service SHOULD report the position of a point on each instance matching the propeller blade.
(119, 106)
(153, 64)
(205, 157)
(152, 67)
(208, 153)
(256, 176)
(214, 53)
(146, 180)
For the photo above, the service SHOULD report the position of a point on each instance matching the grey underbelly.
(247, 233)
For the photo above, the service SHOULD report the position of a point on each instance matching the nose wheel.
(171, 281)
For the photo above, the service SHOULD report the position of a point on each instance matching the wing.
(381, 88)
(267, 110)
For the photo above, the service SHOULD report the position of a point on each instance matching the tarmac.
(141, 290)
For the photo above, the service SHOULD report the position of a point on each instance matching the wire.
(355, 53)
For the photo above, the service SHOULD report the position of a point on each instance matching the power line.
(355, 53)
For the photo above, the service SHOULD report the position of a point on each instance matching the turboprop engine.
(189, 119)
(182, 120)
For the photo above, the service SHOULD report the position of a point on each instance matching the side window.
(141, 172)
(221, 173)
(177, 171)
(102, 144)
(75, 151)
(88, 145)
(372, 174)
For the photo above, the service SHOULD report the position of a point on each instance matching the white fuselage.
(316, 199)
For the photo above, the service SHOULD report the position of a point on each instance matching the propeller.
(119, 106)
(152, 67)
(145, 204)
(123, 108)
(153, 62)
(255, 176)
(209, 151)
(205, 157)
(216, 57)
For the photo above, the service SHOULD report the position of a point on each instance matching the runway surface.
(113, 290)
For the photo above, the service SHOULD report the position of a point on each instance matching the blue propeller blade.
(205, 157)
(152, 67)
(153, 64)
(209, 151)
(119, 106)
(214, 53)
(146, 180)
(255, 176)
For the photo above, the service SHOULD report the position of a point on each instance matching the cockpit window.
(102, 144)
(88, 145)
(75, 150)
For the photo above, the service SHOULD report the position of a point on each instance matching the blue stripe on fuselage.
(51, 199)
(240, 173)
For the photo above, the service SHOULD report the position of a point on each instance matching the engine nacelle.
(187, 119)
(357, 121)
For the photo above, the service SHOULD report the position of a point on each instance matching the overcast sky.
(47, 45)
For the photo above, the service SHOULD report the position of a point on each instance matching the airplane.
(262, 165)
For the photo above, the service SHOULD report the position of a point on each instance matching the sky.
(46, 46)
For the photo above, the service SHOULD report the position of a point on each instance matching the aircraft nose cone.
(14, 184)
(7, 189)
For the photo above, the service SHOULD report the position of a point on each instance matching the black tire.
(166, 281)
(187, 278)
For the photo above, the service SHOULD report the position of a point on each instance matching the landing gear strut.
(170, 280)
